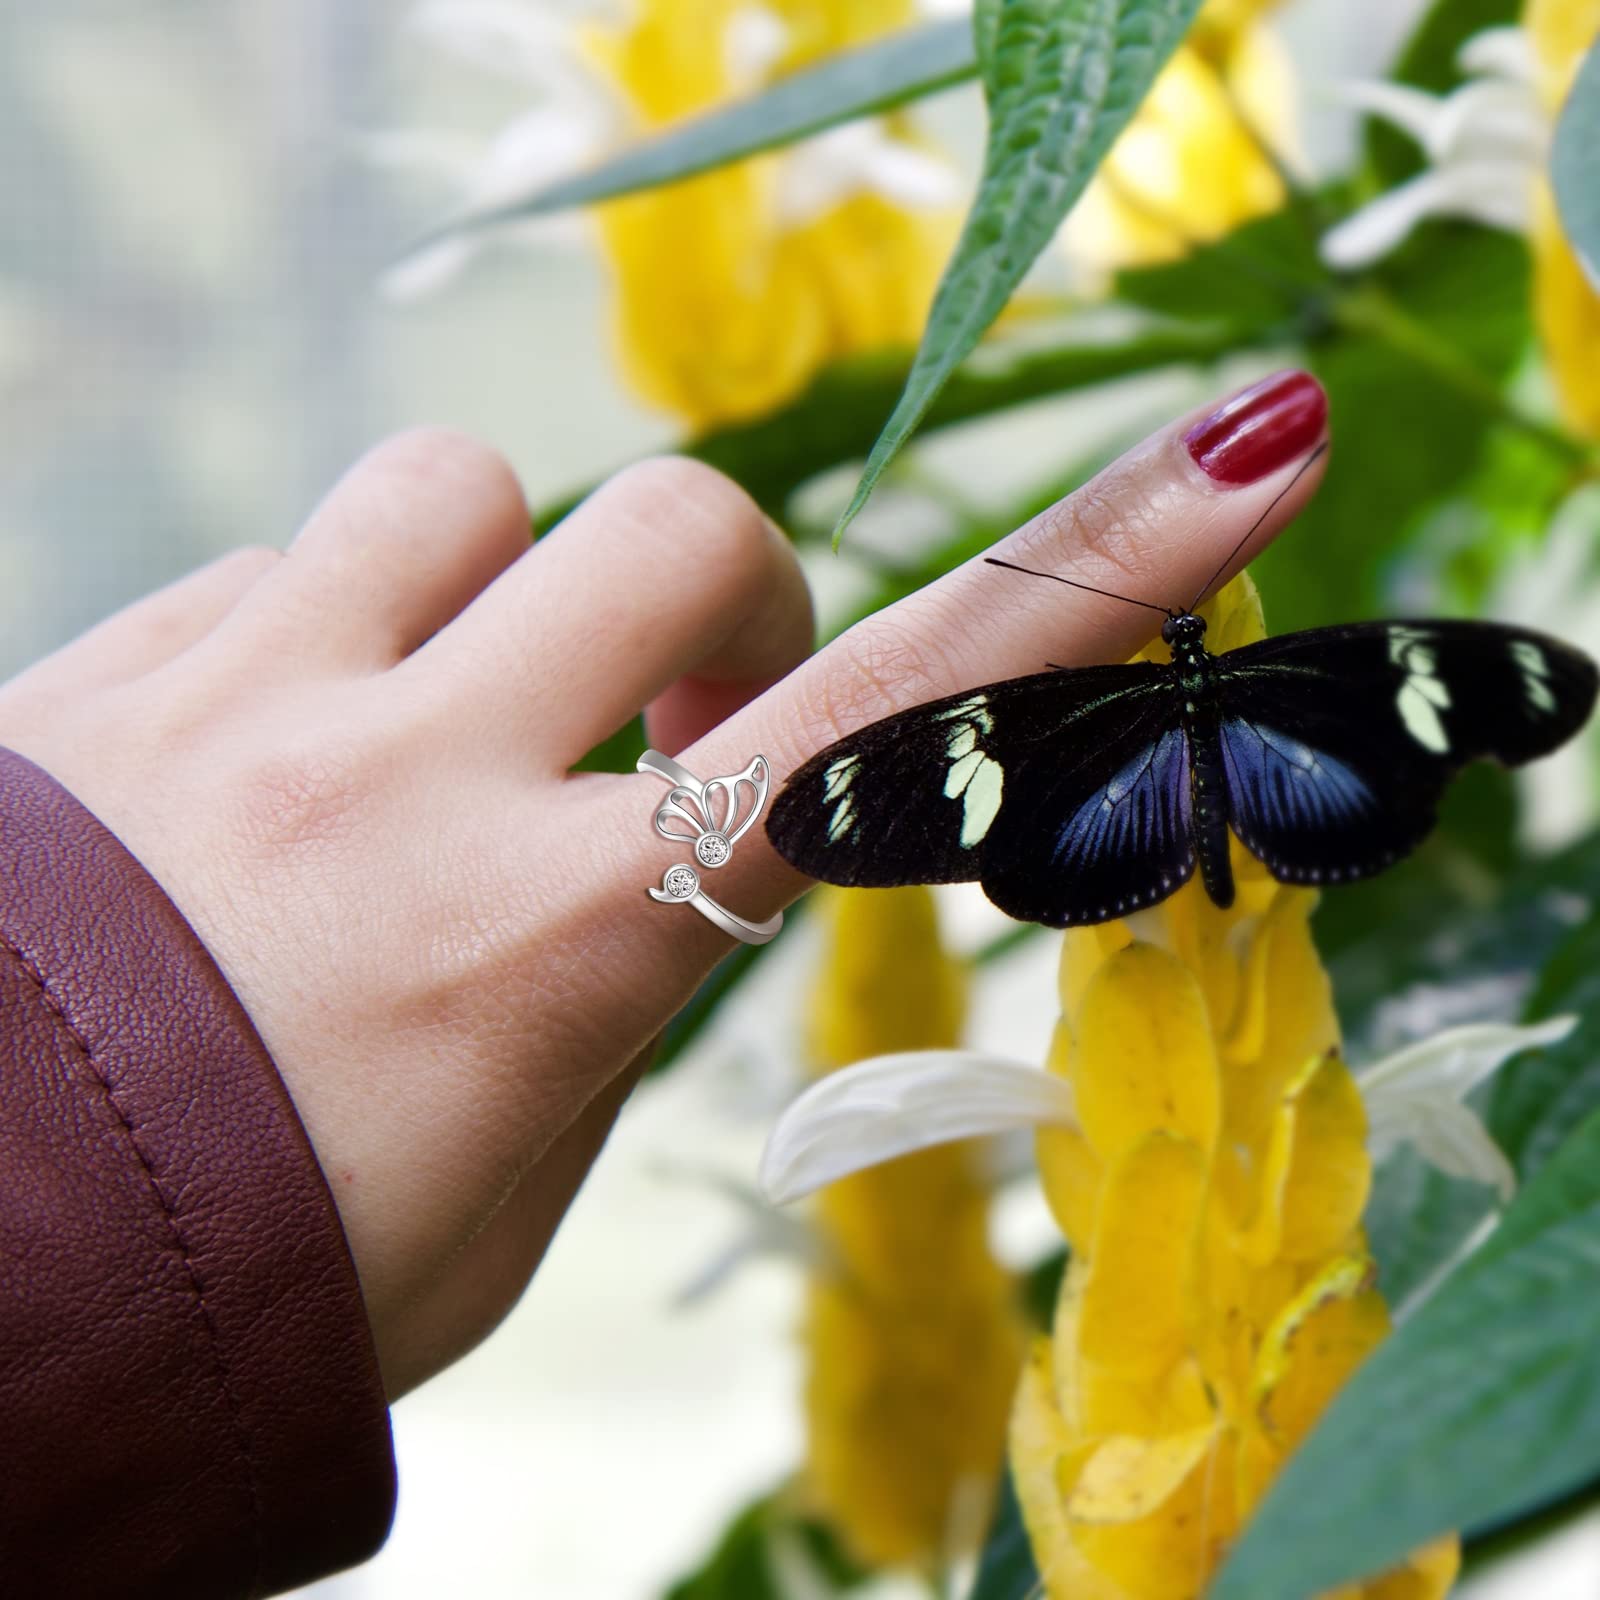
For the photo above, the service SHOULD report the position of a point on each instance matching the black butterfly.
(1075, 796)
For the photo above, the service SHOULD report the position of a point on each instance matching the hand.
(348, 764)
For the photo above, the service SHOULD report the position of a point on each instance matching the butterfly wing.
(1338, 742)
(1062, 792)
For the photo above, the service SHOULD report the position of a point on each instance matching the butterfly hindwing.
(1338, 742)
(1094, 842)
(1033, 785)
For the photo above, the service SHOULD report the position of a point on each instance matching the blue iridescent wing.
(1065, 793)
(1074, 853)
(1338, 742)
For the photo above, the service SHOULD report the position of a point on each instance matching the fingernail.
(1261, 428)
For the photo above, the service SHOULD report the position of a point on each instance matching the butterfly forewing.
(1055, 790)
(1338, 742)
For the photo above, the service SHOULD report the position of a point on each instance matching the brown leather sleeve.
(189, 1399)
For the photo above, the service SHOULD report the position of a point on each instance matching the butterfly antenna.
(1249, 534)
(1072, 583)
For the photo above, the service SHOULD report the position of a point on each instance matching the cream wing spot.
(981, 802)
(836, 782)
(1535, 668)
(1423, 694)
(976, 779)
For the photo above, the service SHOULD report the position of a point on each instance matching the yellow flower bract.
(727, 303)
(1220, 1290)
(913, 1336)
(1565, 305)
(1190, 167)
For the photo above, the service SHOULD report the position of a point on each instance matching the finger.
(1156, 526)
(411, 534)
(668, 570)
(1156, 523)
(742, 666)
(150, 632)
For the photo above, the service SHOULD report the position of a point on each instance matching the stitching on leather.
(168, 1211)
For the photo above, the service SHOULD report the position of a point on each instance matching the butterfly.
(1078, 795)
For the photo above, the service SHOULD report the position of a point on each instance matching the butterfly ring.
(712, 817)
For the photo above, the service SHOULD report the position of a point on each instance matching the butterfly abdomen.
(1208, 793)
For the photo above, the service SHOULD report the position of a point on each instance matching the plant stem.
(1371, 311)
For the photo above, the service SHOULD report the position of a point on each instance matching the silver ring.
(680, 885)
(712, 817)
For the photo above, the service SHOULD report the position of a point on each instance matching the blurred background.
(199, 206)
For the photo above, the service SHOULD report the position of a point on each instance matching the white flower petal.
(426, 272)
(1449, 1136)
(1416, 1096)
(1494, 122)
(523, 43)
(861, 158)
(532, 150)
(1453, 1063)
(1412, 111)
(1500, 53)
(891, 1105)
(1495, 193)
(753, 43)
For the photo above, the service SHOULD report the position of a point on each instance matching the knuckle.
(456, 465)
(250, 560)
(296, 799)
(687, 499)
(877, 668)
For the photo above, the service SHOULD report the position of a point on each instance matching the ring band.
(680, 885)
(665, 767)
(712, 817)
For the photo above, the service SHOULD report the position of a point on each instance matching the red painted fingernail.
(1261, 428)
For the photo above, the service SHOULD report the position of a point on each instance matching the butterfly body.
(1194, 680)
(1079, 795)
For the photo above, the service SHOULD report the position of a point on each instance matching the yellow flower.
(1220, 1290)
(1190, 167)
(1566, 307)
(733, 288)
(913, 1337)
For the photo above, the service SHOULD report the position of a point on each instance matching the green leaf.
(1006, 1570)
(1041, 1289)
(1429, 62)
(1575, 165)
(874, 78)
(1062, 79)
(1485, 1403)
(1264, 277)
(1539, 1098)
(1433, 957)
(619, 752)
(836, 419)
(1414, 369)
(743, 1566)
(739, 1568)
